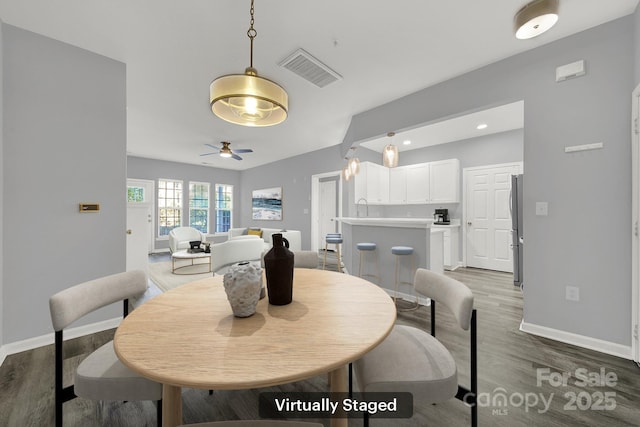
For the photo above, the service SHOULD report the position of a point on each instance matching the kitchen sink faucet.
(366, 212)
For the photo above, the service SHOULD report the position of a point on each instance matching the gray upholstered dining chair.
(412, 360)
(256, 423)
(101, 375)
(305, 259)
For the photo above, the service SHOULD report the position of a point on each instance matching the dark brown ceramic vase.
(278, 264)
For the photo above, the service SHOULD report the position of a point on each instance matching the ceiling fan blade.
(235, 156)
(207, 154)
(243, 150)
(213, 147)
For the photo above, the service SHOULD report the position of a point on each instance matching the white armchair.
(180, 237)
(243, 248)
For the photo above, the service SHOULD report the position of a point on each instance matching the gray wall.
(570, 246)
(1, 184)
(140, 168)
(294, 176)
(64, 143)
(636, 38)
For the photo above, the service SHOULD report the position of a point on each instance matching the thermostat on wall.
(89, 207)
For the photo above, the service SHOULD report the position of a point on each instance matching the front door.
(488, 218)
(140, 237)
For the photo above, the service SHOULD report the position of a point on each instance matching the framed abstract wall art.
(266, 204)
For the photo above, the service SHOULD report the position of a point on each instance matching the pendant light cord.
(251, 33)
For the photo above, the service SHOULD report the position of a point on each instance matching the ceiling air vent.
(309, 68)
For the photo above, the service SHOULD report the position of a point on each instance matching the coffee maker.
(441, 216)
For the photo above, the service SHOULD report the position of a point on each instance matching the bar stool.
(364, 248)
(333, 239)
(400, 251)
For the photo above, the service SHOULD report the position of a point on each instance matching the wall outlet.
(572, 293)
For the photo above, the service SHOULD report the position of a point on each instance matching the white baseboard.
(48, 339)
(602, 346)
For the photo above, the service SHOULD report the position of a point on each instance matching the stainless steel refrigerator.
(516, 228)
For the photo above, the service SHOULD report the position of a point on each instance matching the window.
(169, 205)
(135, 194)
(199, 206)
(224, 207)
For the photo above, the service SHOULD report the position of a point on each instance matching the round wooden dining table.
(189, 337)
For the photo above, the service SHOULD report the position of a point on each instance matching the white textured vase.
(242, 284)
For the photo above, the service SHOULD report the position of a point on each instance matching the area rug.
(160, 273)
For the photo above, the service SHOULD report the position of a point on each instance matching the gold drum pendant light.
(535, 18)
(248, 99)
(390, 154)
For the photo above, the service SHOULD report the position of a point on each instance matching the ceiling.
(497, 119)
(383, 50)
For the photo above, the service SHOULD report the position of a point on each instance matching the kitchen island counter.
(386, 233)
(388, 222)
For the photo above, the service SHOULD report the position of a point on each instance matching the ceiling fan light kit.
(248, 99)
(226, 152)
(535, 18)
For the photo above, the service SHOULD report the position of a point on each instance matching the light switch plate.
(542, 208)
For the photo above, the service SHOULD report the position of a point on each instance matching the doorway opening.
(326, 206)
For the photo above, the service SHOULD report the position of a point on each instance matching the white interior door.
(137, 237)
(327, 209)
(488, 218)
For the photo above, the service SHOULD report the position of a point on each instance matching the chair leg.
(365, 419)
(339, 258)
(324, 261)
(350, 380)
(159, 413)
(413, 269)
(396, 283)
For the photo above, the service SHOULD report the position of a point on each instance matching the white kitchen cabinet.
(422, 183)
(450, 245)
(418, 183)
(372, 184)
(398, 186)
(444, 181)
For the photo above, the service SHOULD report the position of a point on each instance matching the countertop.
(454, 223)
(389, 222)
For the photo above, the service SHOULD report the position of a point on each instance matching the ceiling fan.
(226, 152)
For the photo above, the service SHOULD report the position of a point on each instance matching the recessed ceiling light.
(481, 126)
(407, 142)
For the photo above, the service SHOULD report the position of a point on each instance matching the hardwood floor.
(510, 364)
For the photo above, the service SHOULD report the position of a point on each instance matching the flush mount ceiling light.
(482, 126)
(535, 18)
(247, 99)
(390, 153)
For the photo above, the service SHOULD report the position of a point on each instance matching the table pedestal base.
(171, 406)
(339, 384)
